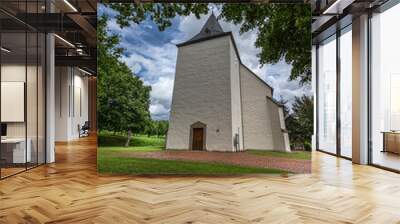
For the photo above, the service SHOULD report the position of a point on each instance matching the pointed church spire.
(210, 28)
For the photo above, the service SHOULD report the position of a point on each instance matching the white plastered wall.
(71, 102)
(236, 103)
(202, 92)
(261, 116)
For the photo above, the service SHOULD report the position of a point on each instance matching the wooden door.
(197, 143)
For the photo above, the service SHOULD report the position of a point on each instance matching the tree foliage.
(300, 122)
(160, 13)
(156, 128)
(284, 30)
(122, 99)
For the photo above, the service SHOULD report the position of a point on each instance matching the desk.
(391, 141)
(13, 150)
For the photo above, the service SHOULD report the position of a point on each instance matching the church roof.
(210, 30)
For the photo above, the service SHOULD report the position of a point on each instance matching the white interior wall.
(80, 109)
(61, 103)
(72, 87)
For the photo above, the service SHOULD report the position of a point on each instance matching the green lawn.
(134, 166)
(108, 139)
(111, 159)
(289, 155)
(114, 150)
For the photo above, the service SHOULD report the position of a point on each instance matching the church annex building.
(218, 103)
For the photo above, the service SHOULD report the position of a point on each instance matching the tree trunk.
(128, 140)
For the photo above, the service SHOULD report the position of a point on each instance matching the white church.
(218, 103)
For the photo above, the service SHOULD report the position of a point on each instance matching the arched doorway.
(198, 136)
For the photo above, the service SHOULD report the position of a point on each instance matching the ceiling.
(73, 21)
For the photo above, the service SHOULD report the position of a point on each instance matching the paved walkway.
(237, 158)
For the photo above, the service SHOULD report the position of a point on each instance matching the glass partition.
(327, 95)
(13, 94)
(385, 89)
(22, 101)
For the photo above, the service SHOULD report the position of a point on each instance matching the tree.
(284, 30)
(160, 13)
(300, 122)
(162, 128)
(158, 128)
(122, 99)
(150, 128)
(283, 102)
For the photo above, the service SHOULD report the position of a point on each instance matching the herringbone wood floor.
(70, 191)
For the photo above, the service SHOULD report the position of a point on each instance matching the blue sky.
(151, 55)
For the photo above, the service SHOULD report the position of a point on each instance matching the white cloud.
(155, 65)
(153, 60)
(161, 94)
(159, 112)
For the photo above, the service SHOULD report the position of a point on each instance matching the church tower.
(219, 104)
(206, 105)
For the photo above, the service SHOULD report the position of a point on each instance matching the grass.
(108, 139)
(111, 159)
(113, 150)
(144, 166)
(305, 155)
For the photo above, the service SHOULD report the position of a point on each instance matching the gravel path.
(237, 158)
